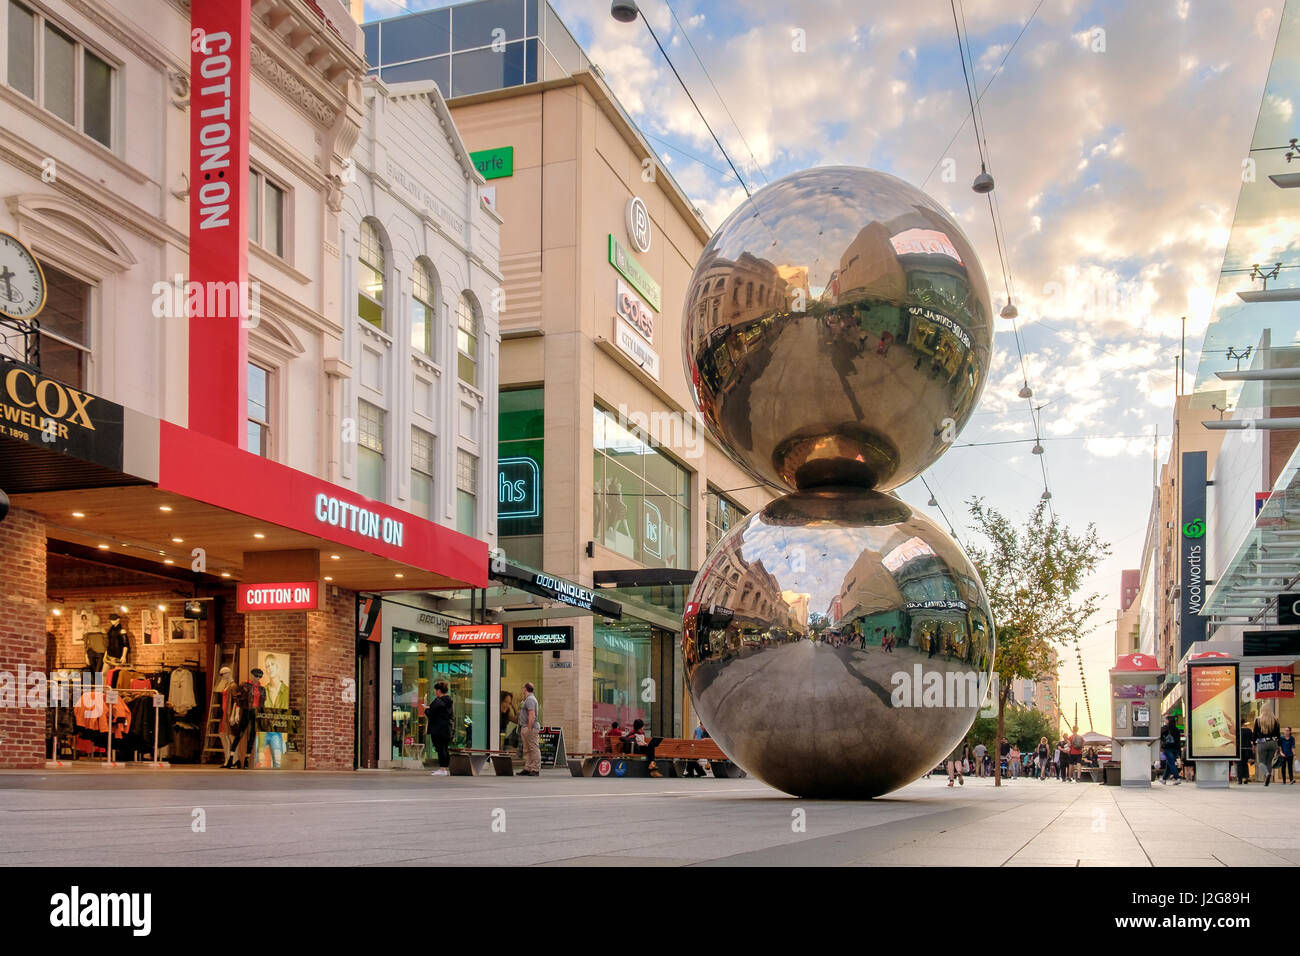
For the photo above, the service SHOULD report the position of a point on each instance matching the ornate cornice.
(288, 83)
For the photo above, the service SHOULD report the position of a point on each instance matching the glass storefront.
(632, 678)
(516, 669)
(420, 661)
(642, 507)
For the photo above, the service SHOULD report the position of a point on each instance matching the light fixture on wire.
(1045, 496)
(1026, 391)
(624, 11)
(983, 182)
(932, 503)
(1009, 311)
(1037, 449)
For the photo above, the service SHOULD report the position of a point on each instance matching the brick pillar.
(22, 637)
(332, 691)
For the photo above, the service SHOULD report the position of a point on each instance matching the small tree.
(1033, 576)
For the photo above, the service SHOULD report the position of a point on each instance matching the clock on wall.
(22, 283)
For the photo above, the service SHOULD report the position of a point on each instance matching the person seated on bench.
(614, 738)
(637, 741)
(695, 768)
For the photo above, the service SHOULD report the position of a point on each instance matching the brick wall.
(23, 617)
(331, 716)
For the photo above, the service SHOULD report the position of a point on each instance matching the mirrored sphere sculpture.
(837, 330)
(837, 644)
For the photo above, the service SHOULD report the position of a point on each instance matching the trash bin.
(1110, 775)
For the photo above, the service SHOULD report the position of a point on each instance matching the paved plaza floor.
(188, 817)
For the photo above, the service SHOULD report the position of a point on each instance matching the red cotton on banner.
(294, 596)
(219, 89)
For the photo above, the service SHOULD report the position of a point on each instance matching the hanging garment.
(181, 696)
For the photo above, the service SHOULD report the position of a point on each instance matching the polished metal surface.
(838, 330)
(786, 643)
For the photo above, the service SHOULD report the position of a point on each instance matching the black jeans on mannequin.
(247, 725)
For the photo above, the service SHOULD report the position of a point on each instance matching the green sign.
(631, 270)
(495, 163)
(1194, 529)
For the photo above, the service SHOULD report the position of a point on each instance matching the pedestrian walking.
(1170, 745)
(1014, 759)
(528, 733)
(1286, 751)
(1044, 753)
(980, 751)
(438, 724)
(1060, 761)
(1076, 753)
(956, 760)
(1267, 731)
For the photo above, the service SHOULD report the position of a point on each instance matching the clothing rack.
(110, 694)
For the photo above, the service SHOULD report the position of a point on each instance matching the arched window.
(370, 294)
(422, 308)
(467, 340)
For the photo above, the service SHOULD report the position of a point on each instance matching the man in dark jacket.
(1247, 734)
(438, 718)
(1171, 745)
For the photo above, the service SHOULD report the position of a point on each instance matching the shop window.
(370, 450)
(420, 661)
(466, 492)
(65, 327)
(60, 73)
(421, 473)
(370, 295)
(423, 298)
(259, 410)
(520, 467)
(621, 676)
(266, 204)
(467, 340)
(721, 514)
(642, 501)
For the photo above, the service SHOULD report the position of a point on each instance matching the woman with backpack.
(438, 721)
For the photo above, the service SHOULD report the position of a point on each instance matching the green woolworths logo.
(1194, 529)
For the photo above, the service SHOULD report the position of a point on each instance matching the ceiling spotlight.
(162, 607)
(258, 534)
(624, 11)
(78, 514)
(225, 574)
(400, 574)
(164, 507)
(168, 561)
(1009, 311)
(334, 557)
(125, 609)
(57, 612)
(1037, 449)
(983, 182)
(102, 547)
(328, 578)
(178, 540)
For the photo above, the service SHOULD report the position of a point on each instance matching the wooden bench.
(1096, 774)
(670, 750)
(471, 763)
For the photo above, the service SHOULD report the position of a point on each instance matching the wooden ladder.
(212, 738)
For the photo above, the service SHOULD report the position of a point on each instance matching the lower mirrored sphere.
(837, 644)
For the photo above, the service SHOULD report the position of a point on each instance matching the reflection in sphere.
(837, 643)
(837, 330)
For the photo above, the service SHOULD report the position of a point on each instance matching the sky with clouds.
(1116, 133)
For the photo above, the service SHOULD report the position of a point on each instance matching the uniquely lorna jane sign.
(543, 638)
(295, 596)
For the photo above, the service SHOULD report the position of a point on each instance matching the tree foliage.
(1033, 576)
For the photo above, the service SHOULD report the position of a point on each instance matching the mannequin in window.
(117, 641)
(226, 687)
(250, 698)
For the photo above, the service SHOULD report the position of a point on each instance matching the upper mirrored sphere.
(838, 330)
